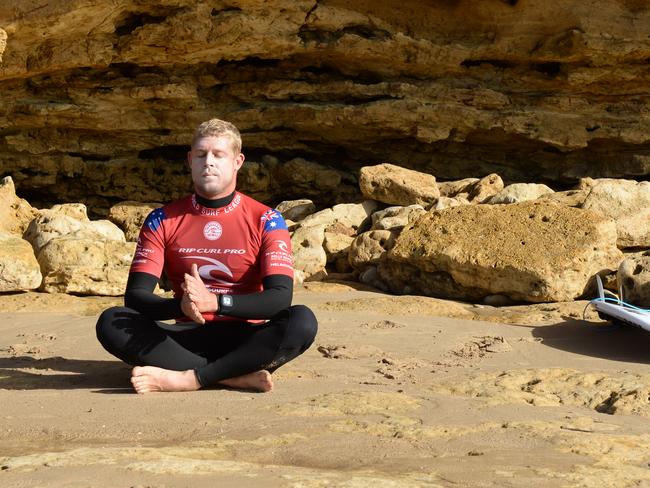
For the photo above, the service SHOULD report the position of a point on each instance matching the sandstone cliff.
(99, 98)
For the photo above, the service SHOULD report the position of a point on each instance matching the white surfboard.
(618, 311)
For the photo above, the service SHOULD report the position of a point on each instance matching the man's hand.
(190, 309)
(202, 298)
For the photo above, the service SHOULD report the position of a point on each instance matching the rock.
(308, 252)
(129, 216)
(453, 188)
(634, 278)
(336, 248)
(341, 228)
(112, 103)
(570, 198)
(395, 218)
(51, 224)
(369, 247)
(520, 192)
(394, 185)
(77, 211)
(485, 188)
(447, 202)
(349, 214)
(530, 251)
(296, 210)
(628, 203)
(15, 212)
(19, 269)
(85, 266)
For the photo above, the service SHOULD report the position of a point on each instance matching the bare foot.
(258, 381)
(146, 379)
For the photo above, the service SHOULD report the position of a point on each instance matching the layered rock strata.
(99, 98)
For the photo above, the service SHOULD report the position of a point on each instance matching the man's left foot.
(146, 379)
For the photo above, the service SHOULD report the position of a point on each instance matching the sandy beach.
(395, 392)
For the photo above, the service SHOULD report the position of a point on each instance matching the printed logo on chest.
(212, 231)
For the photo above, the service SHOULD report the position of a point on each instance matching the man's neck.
(216, 203)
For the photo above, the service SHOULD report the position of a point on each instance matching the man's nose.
(210, 159)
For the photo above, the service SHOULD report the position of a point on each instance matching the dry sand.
(396, 392)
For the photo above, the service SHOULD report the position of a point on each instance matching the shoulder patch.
(273, 220)
(155, 219)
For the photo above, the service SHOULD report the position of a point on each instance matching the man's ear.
(239, 161)
(189, 159)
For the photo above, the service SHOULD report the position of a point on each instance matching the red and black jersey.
(234, 247)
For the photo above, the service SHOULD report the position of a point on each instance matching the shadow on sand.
(58, 373)
(613, 342)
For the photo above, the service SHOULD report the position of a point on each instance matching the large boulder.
(633, 277)
(625, 201)
(85, 266)
(63, 220)
(395, 185)
(15, 212)
(530, 251)
(19, 269)
(129, 216)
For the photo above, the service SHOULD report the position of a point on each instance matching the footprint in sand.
(382, 324)
(474, 350)
(348, 352)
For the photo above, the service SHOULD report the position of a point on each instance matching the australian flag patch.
(155, 219)
(273, 220)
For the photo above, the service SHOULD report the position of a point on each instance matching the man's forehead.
(223, 141)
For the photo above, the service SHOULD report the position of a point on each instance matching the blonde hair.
(218, 127)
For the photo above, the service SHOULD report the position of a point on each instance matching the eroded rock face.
(99, 99)
(15, 213)
(531, 251)
(19, 269)
(628, 203)
(634, 278)
(369, 247)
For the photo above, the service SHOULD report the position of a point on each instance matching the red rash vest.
(234, 247)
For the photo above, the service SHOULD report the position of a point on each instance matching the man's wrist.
(224, 303)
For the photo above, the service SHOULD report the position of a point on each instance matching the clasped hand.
(196, 297)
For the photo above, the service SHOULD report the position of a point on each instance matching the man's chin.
(211, 192)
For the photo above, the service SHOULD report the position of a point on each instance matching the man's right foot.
(257, 381)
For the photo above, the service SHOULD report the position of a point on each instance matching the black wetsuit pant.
(215, 351)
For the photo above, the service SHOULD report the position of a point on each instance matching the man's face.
(214, 166)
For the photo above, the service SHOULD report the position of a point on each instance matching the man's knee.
(109, 324)
(303, 326)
